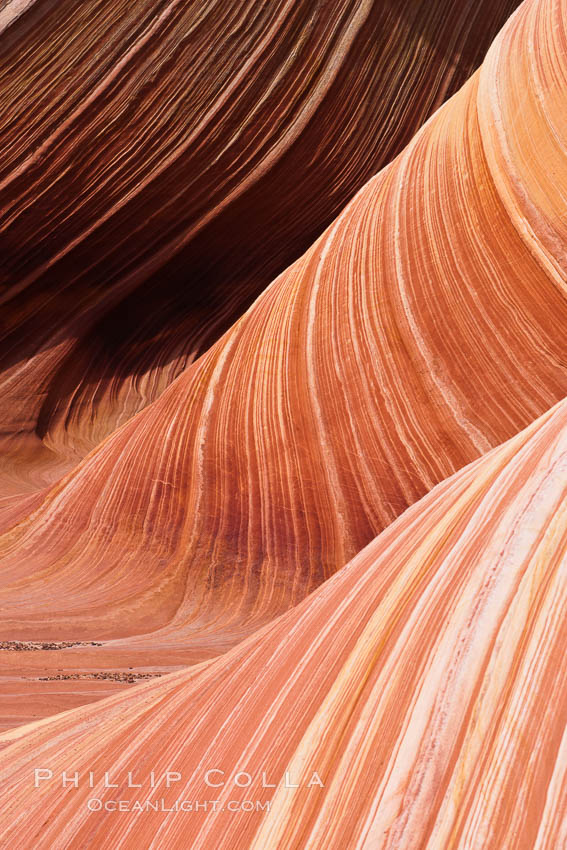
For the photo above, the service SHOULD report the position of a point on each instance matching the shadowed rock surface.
(163, 161)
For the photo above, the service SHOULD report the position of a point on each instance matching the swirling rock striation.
(424, 327)
(424, 685)
(163, 161)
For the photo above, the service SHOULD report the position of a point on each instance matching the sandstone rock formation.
(424, 327)
(424, 685)
(162, 161)
(329, 530)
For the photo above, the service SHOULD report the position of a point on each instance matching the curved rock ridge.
(163, 161)
(420, 330)
(416, 699)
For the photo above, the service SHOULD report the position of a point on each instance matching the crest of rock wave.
(163, 161)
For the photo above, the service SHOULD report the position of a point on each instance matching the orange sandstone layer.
(424, 327)
(417, 699)
(162, 161)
